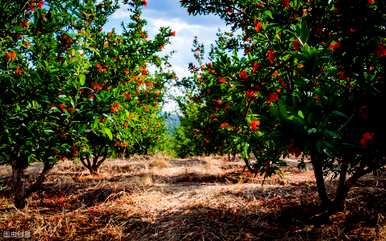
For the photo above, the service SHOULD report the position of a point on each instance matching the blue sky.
(160, 13)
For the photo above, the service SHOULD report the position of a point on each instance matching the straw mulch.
(203, 198)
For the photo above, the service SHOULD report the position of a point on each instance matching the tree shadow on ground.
(195, 178)
(285, 213)
(187, 162)
(206, 223)
(281, 211)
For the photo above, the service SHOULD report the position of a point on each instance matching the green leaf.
(291, 117)
(341, 114)
(107, 131)
(332, 134)
(268, 14)
(95, 124)
(245, 150)
(300, 114)
(82, 79)
(312, 131)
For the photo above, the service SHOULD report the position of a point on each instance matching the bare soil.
(203, 198)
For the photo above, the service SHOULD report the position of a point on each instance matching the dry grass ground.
(206, 198)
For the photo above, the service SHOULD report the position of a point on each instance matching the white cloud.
(186, 29)
(182, 42)
(121, 14)
(176, 24)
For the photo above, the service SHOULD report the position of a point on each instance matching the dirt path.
(207, 198)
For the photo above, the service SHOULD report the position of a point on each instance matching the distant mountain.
(172, 121)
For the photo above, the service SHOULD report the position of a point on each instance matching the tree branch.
(82, 160)
(39, 181)
(103, 158)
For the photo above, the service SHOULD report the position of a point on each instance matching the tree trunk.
(21, 193)
(93, 170)
(341, 191)
(93, 164)
(318, 172)
(344, 185)
(18, 185)
(102, 155)
(39, 181)
(87, 163)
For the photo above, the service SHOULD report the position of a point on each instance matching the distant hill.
(172, 121)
